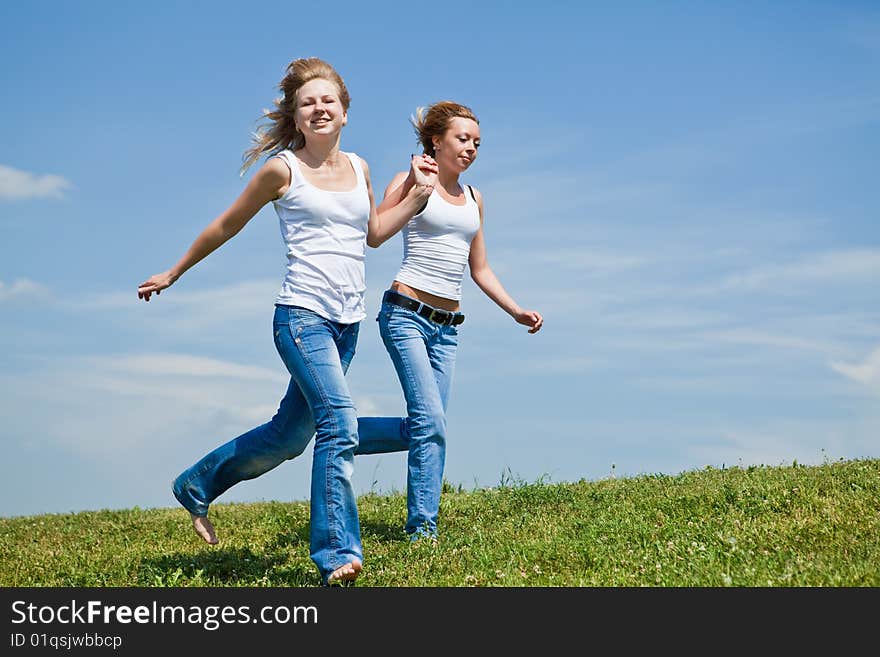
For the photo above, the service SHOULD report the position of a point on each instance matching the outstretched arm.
(404, 197)
(267, 184)
(488, 282)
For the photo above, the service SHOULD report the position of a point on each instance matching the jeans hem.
(178, 495)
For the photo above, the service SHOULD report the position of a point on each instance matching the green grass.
(785, 526)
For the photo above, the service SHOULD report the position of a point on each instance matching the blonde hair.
(279, 130)
(433, 121)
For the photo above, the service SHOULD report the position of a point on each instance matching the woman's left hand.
(423, 170)
(530, 318)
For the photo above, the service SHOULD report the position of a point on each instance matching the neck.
(449, 180)
(321, 152)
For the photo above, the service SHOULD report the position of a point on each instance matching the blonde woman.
(324, 201)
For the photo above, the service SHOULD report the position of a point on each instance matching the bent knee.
(292, 454)
(291, 442)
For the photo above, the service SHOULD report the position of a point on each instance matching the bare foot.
(204, 528)
(346, 573)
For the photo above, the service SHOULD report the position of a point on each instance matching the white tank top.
(325, 234)
(436, 245)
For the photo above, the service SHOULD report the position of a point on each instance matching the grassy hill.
(761, 526)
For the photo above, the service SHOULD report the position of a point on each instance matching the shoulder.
(273, 177)
(396, 182)
(275, 170)
(357, 160)
(276, 166)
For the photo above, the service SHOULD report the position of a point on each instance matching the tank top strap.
(469, 199)
(288, 158)
(358, 168)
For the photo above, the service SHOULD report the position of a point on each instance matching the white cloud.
(849, 264)
(19, 288)
(578, 257)
(16, 184)
(184, 365)
(242, 298)
(664, 319)
(867, 372)
(766, 339)
(108, 405)
(371, 405)
(181, 313)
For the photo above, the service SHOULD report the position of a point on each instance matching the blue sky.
(685, 190)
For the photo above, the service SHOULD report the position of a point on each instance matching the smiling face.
(319, 110)
(457, 148)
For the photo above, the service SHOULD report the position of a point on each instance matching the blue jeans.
(317, 353)
(423, 354)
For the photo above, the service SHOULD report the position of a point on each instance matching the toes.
(205, 529)
(346, 573)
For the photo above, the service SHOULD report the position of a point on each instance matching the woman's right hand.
(155, 283)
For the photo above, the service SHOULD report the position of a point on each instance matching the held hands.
(423, 173)
(156, 284)
(530, 318)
